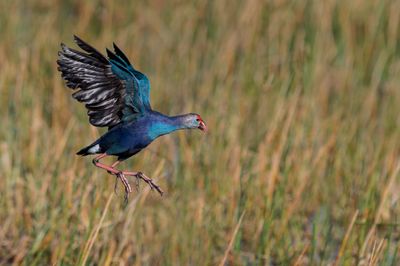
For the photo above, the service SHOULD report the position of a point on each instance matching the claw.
(126, 184)
(121, 175)
(116, 185)
(126, 198)
(150, 182)
(137, 184)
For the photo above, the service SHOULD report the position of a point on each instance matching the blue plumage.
(117, 96)
(129, 138)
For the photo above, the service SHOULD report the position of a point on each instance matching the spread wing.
(112, 90)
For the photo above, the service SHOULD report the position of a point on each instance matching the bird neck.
(167, 124)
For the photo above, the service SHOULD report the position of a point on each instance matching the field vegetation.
(300, 165)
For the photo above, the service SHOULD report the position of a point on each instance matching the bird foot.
(121, 176)
(139, 175)
(125, 182)
(149, 181)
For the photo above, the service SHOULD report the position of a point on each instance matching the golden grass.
(302, 101)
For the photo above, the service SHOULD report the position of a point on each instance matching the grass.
(301, 164)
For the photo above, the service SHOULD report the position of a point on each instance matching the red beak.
(202, 126)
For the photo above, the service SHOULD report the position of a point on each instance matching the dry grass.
(302, 101)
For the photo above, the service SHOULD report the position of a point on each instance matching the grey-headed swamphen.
(117, 96)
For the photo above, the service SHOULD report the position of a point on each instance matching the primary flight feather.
(117, 96)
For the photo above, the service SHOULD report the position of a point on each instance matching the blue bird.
(117, 96)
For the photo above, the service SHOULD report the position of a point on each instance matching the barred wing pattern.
(110, 91)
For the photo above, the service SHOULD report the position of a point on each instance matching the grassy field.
(300, 166)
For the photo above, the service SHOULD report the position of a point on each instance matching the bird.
(117, 96)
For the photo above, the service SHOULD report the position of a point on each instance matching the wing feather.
(111, 89)
(91, 76)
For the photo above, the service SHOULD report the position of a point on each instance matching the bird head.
(195, 121)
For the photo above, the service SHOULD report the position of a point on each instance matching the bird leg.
(110, 169)
(121, 175)
(148, 180)
(116, 176)
(117, 163)
(140, 175)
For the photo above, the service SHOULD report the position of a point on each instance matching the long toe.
(116, 185)
(126, 184)
(150, 182)
(137, 183)
(126, 198)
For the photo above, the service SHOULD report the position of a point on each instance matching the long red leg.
(120, 175)
(115, 164)
(96, 162)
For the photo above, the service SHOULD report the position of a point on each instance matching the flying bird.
(117, 96)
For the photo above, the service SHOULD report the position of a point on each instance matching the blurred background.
(300, 166)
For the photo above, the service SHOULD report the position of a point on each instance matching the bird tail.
(91, 149)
